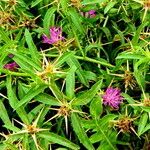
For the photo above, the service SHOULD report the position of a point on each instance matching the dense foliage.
(74, 74)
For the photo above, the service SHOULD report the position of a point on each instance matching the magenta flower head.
(92, 13)
(55, 36)
(10, 55)
(11, 66)
(112, 97)
(89, 14)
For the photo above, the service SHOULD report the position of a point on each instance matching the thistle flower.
(112, 97)
(11, 66)
(10, 55)
(89, 14)
(55, 36)
(92, 13)
(124, 124)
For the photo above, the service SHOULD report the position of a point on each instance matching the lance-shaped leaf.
(31, 94)
(48, 19)
(13, 101)
(70, 82)
(47, 99)
(55, 90)
(54, 138)
(21, 57)
(32, 47)
(87, 96)
(63, 58)
(74, 62)
(78, 129)
(4, 115)
(142, 123)
(96, 107)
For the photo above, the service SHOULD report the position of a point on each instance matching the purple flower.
(10, 55)
(112, 97)
(11, 66)
(92, 13)
(89, 14)
(55, 36)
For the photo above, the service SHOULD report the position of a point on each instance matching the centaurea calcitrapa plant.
(74, 74)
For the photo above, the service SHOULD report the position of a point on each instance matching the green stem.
(94, 61)
(13, 73)
(85, 59)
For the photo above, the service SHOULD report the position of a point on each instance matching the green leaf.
(90, 76)
(4, 53)
(139, 72)
(28, 62)
(88, 2)
(52, 137)
(33, 113)
(147, 128)
(87, 96)
(136, 37)
(120, 33)
(64, 5)
(126, 55)
(74, 62)
(96, 107)
(110, 5)
(36, 2)
(75, 21)
(107, 33)
(30, 95)
(105, 121)
(76, 124)
(130, 100)
(70, 82)
(47, 99)
(92, 46)
(3, 146)
(11, 146)
(105, 146)
(32, 47)
(63, 58)
(22, 89)
(4, 36)
(88, 124)
(13, 101)
(96, 137)
(26, 68)
(106, 138)
(11, 127)
(142, 123)
(56, 91)
(48, 19)
(100, 61)
(4, 115)
(145, 108)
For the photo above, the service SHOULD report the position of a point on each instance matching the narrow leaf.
(86, 97)
(4, 115)
(70, 82)
(30, 95)
(78, 129)
(47, 99)
(13, 101)
(48, 19)
(96, 107)
(52, 137)
(32, 47)
(142, 123)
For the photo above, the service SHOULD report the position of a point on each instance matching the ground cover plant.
(74, 74)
